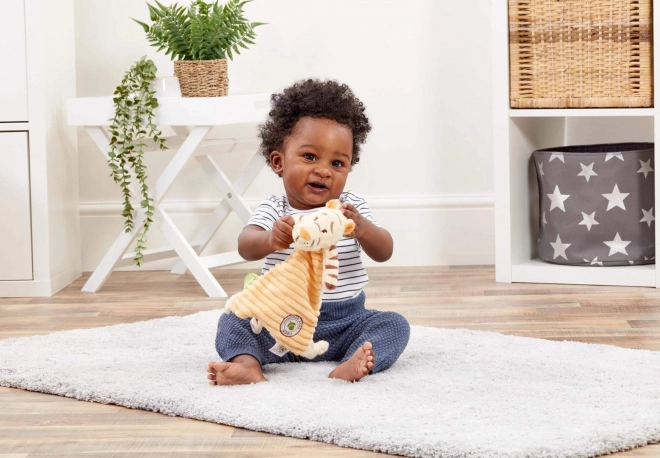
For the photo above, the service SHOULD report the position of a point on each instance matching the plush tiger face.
(322, 229)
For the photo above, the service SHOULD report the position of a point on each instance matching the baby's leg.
(242, 352)
(378, 341)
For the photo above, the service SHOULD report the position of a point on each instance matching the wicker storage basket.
(597, 204)
(580, 54)
(202, 78)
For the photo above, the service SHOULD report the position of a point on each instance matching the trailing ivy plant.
(202, 31)
(134, 104)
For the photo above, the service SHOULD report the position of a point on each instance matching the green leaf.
(144, 26)
(153, 13)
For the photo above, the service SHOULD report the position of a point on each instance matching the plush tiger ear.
(350, 225)
(334, 204)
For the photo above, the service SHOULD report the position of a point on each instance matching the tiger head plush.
(322, 229)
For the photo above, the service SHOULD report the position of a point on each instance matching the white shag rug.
(453, 393)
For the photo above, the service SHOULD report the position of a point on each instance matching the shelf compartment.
(538, 271)
(580, 112)
(519, 132)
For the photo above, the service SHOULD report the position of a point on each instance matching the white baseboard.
(443, 202)
(427, 230)
(44, 288)
(65, 279)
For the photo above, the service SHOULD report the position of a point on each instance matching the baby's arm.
(376, 241)
(256, 243)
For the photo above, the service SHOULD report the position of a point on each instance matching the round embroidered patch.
(291, 325)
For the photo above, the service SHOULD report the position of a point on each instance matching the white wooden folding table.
(192, 120)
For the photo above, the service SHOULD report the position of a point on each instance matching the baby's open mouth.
(318, 185)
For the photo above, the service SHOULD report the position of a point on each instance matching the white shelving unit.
(39, 214)
(518, 133)
(580, 113)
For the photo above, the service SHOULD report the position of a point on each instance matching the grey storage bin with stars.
(596, 204)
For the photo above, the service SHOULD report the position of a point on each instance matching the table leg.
(113, 256)
(189, 256)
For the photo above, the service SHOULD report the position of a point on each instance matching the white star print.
(587, 171)
(557, 199)
(554, 156)
(617, 245)
(543, 220)
(588, 220)
(646, 167)
(649, 259)
(594, 262)
(560, 248)
(540, 165)
(631, 262)
(648, 217)
(616, 198)
(611, 155)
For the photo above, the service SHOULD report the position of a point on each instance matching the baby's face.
(315, 162)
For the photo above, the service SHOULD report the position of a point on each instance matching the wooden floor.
(34, 424)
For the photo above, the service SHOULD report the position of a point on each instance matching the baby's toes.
(211, 374)
(367, 364)
(211, 377)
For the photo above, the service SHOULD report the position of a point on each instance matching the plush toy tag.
(279, 350)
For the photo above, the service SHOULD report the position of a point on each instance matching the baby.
(312, 139)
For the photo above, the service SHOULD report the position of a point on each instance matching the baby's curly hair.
(317, 99)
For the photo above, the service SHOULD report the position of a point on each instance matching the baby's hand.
(360, 221)
(281, 236)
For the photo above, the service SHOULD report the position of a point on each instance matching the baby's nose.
(323, 172)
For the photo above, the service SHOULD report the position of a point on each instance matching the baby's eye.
(337, 164)
(324, 231)
(309, 156)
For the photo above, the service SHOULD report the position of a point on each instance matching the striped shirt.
(352, 276)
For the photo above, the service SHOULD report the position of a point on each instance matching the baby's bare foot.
(234, 373)
(357, 366)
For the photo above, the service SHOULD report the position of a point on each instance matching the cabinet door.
(13, 73)
(15, 227)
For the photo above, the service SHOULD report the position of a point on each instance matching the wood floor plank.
(36, 424)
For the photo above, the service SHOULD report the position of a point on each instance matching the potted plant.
(199, 39)
(134, 104)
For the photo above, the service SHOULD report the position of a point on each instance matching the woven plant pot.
(580, 54)
(202, 78)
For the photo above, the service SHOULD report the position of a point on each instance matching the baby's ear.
(350, 225)
(276, 162)
(334, 204)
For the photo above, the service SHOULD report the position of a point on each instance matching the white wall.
(424, 77)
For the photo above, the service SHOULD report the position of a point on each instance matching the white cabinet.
(13, 72)
(39, 222)
(16, 232)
